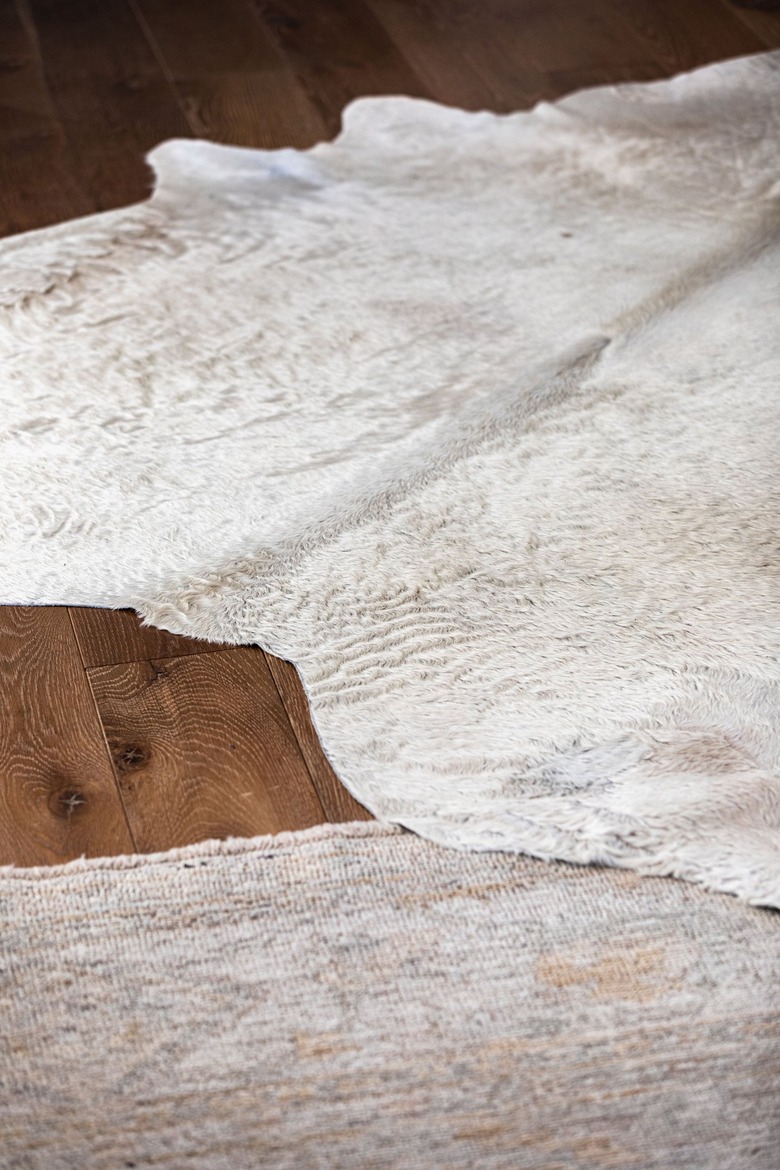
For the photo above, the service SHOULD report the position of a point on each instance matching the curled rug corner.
(472, 417)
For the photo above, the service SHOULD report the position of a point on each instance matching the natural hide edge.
(470, 416)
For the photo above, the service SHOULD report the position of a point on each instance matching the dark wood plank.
(439, 49)
(58, 795)
(110, 636)
(112, 96)
(337, 803)
(39, 186)
(339, 51)
(203, 749)
(504, 55)
(762, 17)
(506, 45)
(684, 36)
(521, 51)
(231, 79)
(658, 38)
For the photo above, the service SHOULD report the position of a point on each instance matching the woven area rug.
(354, 997)
(472, 417)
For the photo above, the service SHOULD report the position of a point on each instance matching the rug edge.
(266, 844)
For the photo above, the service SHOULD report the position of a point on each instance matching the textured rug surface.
(474, 418)
(356, 997)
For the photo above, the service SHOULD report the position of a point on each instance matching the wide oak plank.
(203, 749)
(476, 53)
(38, 183)
(110, 636)
(522, 52)
(233, 83)
(112, 96)
(683, 36)
(58, 795)
(339, 805)
(762, 17)
(438, 51)
(339, 51)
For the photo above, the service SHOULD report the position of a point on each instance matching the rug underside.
(473, 418)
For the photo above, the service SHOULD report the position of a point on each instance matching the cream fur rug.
(356, 998)
(472, 417)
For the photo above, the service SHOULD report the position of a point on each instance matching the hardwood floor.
(115, 738)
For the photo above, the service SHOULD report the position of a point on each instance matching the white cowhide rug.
(474, 418)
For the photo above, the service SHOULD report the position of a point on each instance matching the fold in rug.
(472, 417)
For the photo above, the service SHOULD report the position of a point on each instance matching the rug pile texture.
(355, 997)
(472, 417)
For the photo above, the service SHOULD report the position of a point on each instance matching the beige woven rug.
(353, 997)
(472, 417)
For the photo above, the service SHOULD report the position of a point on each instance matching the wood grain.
(114, 100)
(684, 36)
(338, 804)
(38, 185)
(507, 55)
(232, 82)
(110, 636)
(763, 20)
(203, 749)
(439, 50)
(338, 51)
(490, 48)
(58, 796)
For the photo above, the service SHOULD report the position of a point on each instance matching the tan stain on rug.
(630, 974)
